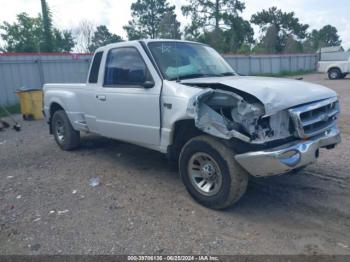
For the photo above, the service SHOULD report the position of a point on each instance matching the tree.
(209, 15)
(102, 37)
(239, 33)
(326, 36)
(48, 44)
(292, 46)
(169, 27)
(279, 25)
(63, 40)
(84, 35)
(147, 19)
(218, 23)
(27, 35)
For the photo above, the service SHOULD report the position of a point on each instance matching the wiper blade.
(197, 75)
(228, 74)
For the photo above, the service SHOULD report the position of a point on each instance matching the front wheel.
(210, 173)
(66, 137)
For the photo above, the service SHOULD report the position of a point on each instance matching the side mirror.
(148, 84)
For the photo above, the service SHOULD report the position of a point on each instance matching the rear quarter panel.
(68, 97)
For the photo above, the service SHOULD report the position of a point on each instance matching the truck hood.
(275, 94)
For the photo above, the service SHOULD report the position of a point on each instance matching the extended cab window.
(125, 66)
(95, 68)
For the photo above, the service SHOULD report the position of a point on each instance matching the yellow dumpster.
(31, 103)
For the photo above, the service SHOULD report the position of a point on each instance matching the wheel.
(66, 137)
(210, 173)
(334, 73)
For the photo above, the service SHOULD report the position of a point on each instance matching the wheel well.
(53, 108)
(184, 130)
(333, 67)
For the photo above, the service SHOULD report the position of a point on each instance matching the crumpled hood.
(275, 94)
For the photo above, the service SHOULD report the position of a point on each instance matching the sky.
(116, 13)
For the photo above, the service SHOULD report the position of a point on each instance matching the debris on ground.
(94, 182)
(74, 192)
(3, 142)
(35, 247)
(342, 245)
(52, 212)
(62, 212)
(37, 219)
(19, 196)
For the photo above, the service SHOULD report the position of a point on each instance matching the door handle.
(101, 97)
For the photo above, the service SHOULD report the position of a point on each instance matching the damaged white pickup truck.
(183, 99)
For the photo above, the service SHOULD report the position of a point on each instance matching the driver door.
(126, 107)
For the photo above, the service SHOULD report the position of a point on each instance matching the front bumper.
(287, 157)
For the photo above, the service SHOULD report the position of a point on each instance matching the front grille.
(314, 118)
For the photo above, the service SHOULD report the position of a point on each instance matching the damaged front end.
(228, 115)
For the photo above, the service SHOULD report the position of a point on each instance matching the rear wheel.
(334, 73)
(66, 137)
(211, 174)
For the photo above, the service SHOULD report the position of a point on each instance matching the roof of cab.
(146, 41)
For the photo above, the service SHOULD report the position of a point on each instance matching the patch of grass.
(288, 73)
(14, 109)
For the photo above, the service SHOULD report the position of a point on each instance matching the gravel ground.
(140, 207)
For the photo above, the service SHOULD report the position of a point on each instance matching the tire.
(205, 160)
(65, 136)
(334, 73)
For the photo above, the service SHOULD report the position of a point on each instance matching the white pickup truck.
(334, 69)
(183, 99)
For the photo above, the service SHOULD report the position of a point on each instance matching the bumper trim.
(287, 157)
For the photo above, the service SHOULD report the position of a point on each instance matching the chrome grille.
(314, 118)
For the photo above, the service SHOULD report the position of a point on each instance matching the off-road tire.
(71, 137)
(234, 177)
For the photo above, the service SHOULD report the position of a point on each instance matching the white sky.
(115, 13)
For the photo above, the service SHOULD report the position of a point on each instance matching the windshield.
(181, 60)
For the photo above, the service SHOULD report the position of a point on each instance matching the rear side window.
(125, 66)
(95, 68)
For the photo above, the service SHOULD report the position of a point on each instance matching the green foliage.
(169, 27)
(27, 35)
(245, 49)
(277, 27)
(102, 37)
(14, 109)
(217, 22)
(326, 36)
(152, 19)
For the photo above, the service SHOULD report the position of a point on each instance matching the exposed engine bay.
(228, 115)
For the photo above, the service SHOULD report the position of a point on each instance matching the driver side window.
(125, 67)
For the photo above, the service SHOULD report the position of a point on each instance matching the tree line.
(218, 23)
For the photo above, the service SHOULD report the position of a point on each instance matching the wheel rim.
(205, 174)
(60, 131)
(334, 74)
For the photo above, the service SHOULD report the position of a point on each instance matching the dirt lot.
(140, 207)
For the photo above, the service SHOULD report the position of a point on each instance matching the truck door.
(127, 102)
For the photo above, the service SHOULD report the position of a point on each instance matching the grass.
(288, 73)
(14, 109)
